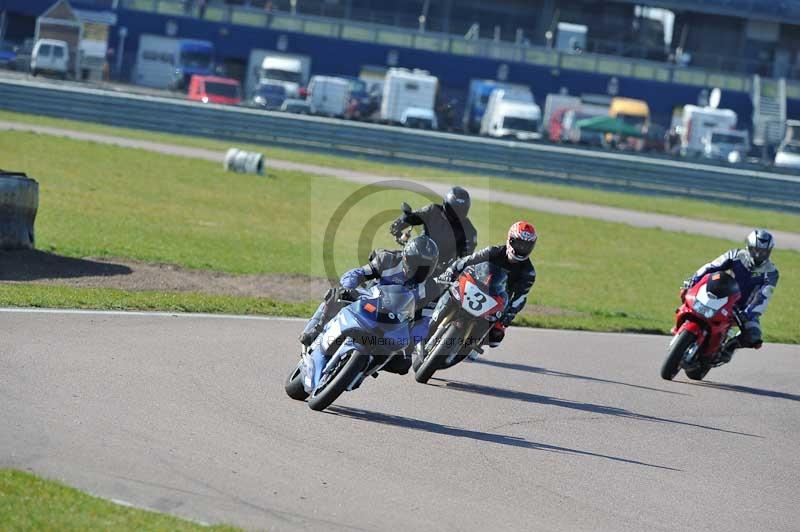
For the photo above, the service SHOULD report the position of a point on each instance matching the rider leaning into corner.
(514, 258)
(447, 224)
(757, 278)
(411, 267)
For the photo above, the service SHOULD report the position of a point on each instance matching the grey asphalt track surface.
(554, 430)
(786, 240)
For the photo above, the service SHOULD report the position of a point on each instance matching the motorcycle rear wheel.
(432, 360)
(672, 364)
(322, 398)
(294, 385)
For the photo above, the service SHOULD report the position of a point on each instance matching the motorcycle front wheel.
(433, 359)
(678, 347)
(336, 383)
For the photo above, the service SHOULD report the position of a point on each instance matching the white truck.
(405, 89)
(329, 95)
(267, 66)
(698, 122)
(169, 63)
(512, 113)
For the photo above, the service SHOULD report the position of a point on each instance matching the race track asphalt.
(554, 430)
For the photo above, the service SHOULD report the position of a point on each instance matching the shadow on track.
(490, 437)
(31, 265)
(573, 405)
(553, 373)
(746, 389)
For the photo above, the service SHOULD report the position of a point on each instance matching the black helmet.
(420, 256)
(759, 245)
(456, 202)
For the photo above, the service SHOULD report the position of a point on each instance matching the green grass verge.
(57, 296)
(98, 200)
(701, 210)
(28, 502)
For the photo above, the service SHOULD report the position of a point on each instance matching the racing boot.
(314, 326)
(399, 364)
(726, 353)
(418, 356)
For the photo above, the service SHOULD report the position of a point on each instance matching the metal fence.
(542, 162)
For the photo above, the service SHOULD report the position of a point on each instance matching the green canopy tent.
(609, 124)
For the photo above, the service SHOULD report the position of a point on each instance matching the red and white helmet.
(521, 241)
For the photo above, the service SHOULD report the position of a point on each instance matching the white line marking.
(145, 314)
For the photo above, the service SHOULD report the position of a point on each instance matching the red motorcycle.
(702, 325)
(464, 316)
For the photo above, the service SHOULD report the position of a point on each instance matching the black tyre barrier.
(246, 162)
(19, 201)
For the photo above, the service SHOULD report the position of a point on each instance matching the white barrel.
(19, 201)
(237, 160)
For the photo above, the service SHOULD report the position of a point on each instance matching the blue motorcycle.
(359, 341)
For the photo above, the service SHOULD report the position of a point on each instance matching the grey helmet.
(759, 245)
(420, 256)
(457, 202)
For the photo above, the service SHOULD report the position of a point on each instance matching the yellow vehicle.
(635, 113)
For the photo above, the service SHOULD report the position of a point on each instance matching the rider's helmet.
(456, 203)
(759, 245)
(521, 241)
(420, 256)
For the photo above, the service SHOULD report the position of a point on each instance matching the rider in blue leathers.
(412, 266)
(757, 277)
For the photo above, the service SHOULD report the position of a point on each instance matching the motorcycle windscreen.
(722, 284)
(493, 278)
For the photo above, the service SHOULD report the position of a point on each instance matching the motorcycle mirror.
(406, 208)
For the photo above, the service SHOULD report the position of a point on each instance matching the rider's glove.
(448, 276)
(396, 229)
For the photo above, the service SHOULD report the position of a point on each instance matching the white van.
(328, 95)
(404, 89)
(50, 56)
(698, 122)
(511, 113)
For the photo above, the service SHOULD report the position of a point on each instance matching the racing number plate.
(476, 301)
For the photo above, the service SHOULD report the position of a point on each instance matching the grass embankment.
(31, 503)
(685, 207)
(106, 201)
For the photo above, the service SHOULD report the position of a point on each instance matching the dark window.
(44, 50)
(58, 52)
(520, 124)
(222, 89)
(281, 75)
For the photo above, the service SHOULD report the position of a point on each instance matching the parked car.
(8, 56)
(50, 56)
(22, 61)
(728, 145)
(293, 105)
(269, 95)
(213, 89)
(655, 138)
(419, 117)
(788, 156)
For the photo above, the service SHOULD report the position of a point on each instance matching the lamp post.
(122, 33)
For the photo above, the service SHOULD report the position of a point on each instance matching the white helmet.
(759, 245)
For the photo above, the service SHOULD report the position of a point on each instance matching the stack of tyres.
(19, 201)
(241, 161)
